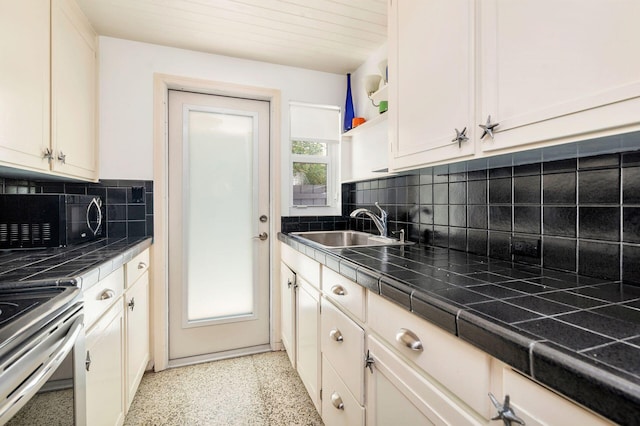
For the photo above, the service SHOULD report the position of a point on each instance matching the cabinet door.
(287, 312)
(137, 319)
(24, 83)
(398, 395)
(74, 91)
(558, 71)
(537, 405)
(105, 402)
(431, 80)
(308, 339)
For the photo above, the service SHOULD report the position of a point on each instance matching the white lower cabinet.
(339, 407)
(342, 343)
(383, 365)
(104, 364)
(287, 310)
(117, 341)
(137, 320)
(308, 338)
(136, 313)
(398, 395)
(537, 405)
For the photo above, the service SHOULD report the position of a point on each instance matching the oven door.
(43, 381)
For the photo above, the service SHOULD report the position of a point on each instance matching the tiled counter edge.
(597, 387)
(91, 276)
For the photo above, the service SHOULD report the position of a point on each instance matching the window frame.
(331, 159)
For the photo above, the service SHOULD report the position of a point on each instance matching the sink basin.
(342, 239)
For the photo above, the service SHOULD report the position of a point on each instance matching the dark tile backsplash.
(577, 214)
(313, 223)
(127, 204)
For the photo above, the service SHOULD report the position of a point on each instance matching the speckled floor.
(260, 389)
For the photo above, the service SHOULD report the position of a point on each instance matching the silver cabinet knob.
(336, 335)
(409, 339)
(132, 303)
(87, 361)
(263, 236)
(487, 128)
(338, 290)
(142, 265)
(461, 136)
(289, 283)
(336, 400)
(62, 157)
(107, 294)
(505, 412)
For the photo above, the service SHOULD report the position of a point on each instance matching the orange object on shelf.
(356, 121)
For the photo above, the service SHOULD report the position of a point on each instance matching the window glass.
(309, 184)
(308, 148)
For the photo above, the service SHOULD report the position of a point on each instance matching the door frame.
(159, 290)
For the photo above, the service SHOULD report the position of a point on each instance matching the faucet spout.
(379, 221)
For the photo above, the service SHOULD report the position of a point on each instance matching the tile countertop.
(578, 335)
(83, 265)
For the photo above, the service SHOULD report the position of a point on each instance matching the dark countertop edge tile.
(396, 291)
(498, 340)
(435, 311)
(348, 269)
(368, 279)
(594, 386)
(91, 276)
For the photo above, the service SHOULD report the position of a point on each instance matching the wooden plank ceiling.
(326, 35)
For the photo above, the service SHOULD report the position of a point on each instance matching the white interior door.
(218, 223)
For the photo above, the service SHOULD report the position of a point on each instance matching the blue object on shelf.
(349, 113)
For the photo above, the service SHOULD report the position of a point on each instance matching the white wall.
(126, 98)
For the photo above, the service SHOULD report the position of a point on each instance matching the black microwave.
(48, 220)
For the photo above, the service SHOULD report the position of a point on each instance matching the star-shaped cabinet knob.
(461, 136)
(487, 128)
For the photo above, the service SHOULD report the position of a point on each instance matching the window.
(315, 137)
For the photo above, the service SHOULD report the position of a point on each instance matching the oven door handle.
(28, 389)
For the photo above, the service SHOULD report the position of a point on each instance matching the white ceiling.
(326, 35)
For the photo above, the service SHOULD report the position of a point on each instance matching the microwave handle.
(95, 203)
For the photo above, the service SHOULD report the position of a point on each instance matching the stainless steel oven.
(42, 372)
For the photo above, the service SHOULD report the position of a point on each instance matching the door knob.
(263, 236)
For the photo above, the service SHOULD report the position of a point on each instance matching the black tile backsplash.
(127, 204)
(315, 223)
(578, 215)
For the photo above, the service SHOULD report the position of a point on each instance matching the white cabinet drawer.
(102, 295)
(344, 292)
(457, 365)
(339, 407)
(343, 345)
(136, 267)
(304, 266)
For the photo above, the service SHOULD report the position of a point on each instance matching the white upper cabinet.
(48, 88)
(74, 91)
(558, 70)
(431, 81)
(24, 83)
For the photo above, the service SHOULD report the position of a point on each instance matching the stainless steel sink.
(342, 239)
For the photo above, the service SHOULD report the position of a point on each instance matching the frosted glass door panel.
(220, 170)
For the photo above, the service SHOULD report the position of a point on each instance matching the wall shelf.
(367, 124)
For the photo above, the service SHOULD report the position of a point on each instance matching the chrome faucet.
(379, 221)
